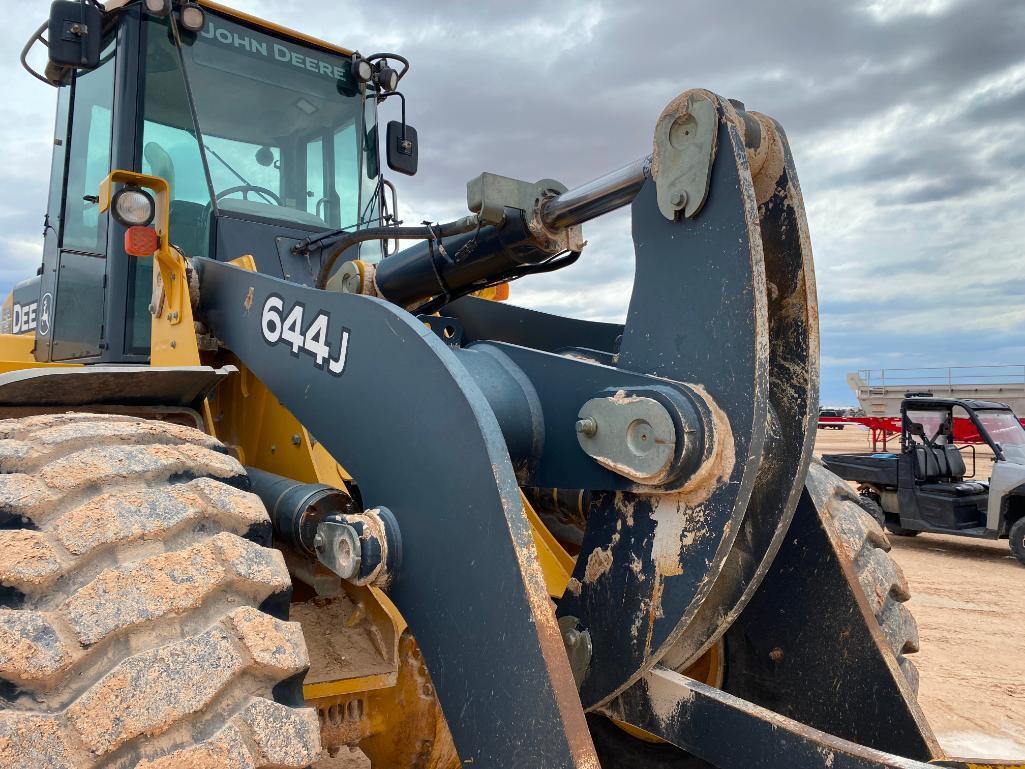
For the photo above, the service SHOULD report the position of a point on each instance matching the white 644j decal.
(290, 328)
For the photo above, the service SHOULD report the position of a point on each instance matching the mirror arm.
(37, 37)
(381, 97)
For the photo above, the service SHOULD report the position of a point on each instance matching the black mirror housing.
(402, 148)
(73, 34)
(916, 428)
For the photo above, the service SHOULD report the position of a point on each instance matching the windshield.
(284, 127)
(1006, 431)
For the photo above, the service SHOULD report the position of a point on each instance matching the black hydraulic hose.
(423, 232)
(350, 239)
(555, 263)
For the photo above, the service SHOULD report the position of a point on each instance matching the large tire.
(867, 547)
(143, 617)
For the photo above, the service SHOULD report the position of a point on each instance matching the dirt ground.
(969, 599)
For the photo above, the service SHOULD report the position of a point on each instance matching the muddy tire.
(867, 547)
(1016, 539)
(143, 616)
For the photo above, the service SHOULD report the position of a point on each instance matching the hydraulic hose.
(424, 232)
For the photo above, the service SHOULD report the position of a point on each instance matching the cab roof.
(256, 21)
(920, 402)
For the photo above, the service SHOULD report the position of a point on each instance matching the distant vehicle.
(926, 487)
(830, 415)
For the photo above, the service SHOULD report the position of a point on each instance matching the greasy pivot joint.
(645, 436)
(578, 646)
(363, 548)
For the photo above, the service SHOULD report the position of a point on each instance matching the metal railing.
(951, 376)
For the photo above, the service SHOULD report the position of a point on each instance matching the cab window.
(89, 158)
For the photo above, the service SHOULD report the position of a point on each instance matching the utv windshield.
(283, 124)
(1006, 431)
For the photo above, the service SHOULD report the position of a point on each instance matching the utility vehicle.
(926, 487)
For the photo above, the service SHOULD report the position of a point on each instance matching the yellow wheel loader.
(284, 476)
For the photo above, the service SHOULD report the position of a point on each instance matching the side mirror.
(402, 148)
(916, 428)
(73, 34)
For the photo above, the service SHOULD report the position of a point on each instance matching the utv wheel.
(1017, 539)
(867, 547)
(143, 617)
(871, 506)
(900, 531)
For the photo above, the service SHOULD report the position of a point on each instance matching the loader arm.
(691, 427)
(430, 449)
(435, 449)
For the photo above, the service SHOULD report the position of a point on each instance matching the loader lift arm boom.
(693, 433)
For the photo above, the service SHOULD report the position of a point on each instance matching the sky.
(906, 119)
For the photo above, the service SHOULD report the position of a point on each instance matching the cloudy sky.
(906, 117)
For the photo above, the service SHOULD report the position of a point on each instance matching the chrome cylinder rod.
(600, 196)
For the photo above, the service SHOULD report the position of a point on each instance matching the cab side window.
(78, 302)
(85, 228)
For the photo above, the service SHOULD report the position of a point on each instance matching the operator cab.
(283, 128)
(266, 138)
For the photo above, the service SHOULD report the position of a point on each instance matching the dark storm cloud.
(904, 117)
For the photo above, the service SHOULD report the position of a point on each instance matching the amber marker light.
(141, 240)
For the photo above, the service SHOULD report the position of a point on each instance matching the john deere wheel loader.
(272, 487)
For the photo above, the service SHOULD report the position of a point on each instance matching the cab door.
(71, 304)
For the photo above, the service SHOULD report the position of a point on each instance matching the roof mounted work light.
(192, 16)
(361, 69)
(157, 7)
(387, 79)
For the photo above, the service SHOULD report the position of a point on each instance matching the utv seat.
(956, 489)
(946, 462)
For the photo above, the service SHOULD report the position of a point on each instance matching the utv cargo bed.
(877, 469)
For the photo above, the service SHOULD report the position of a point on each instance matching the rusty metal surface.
(399, 726)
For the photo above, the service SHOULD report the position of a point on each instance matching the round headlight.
(158, 7)
(361, 70)
(133, 207)
(192, 17)
(387, 78)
